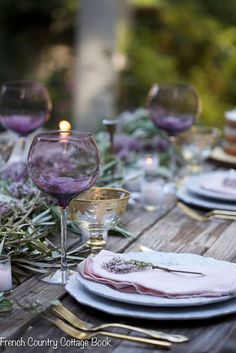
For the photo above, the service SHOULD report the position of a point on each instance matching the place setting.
(155, 285)
(212, 190)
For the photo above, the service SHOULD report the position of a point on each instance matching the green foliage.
(179, 40)
(169, 41)
(30, 30)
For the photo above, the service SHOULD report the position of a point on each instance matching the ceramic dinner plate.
(83, 296)
(193, 184)
(196, 200)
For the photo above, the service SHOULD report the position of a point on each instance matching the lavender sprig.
(121, 266)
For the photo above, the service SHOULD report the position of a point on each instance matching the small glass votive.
(196, 146)
(5, 273)
(151, 164)
(151, 194)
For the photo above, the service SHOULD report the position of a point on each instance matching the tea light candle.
(151, 194)
(5, 273)
(151, 164)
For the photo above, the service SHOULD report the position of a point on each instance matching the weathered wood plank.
(176, 227)
(225, 246)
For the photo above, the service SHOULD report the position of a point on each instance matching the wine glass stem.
(173, 155)
(96, 243)
(22, 143)
(64, 212)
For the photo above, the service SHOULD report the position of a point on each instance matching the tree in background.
(177, 40)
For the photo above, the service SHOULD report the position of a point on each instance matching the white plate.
(188, 197)
(193, 184)
(163, 259)
(83, 296)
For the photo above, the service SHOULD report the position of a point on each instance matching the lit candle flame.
(151, 164)
(149, 160)
(64, 125)
(65, 128)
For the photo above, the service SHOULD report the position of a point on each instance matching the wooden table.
(167, 230)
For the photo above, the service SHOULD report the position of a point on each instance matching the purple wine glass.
(64, 165)
(24, 107)
(173, 108)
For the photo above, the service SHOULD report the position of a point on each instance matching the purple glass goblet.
(64, 165)
(24, 107)
(173, 108)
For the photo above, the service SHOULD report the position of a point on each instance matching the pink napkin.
(218, 280)
(217, 184)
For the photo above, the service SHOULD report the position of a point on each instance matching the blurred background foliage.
(182, 40)
(165, 41)
(37, 43)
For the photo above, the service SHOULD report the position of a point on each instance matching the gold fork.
(229, 215)
(71, 331)
(63, 312)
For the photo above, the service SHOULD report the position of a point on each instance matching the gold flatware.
(63, 312)
(71, 331)
(222, 214)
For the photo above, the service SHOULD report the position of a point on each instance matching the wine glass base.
(58, 277)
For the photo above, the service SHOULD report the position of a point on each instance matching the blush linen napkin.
(216, 184)
(217, 280)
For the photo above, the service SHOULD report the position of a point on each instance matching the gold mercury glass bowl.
(97, 211)
(196, 145)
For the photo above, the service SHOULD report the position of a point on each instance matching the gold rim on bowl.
(127, 195)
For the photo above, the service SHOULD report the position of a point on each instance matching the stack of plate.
(107, 299)
(194, 194)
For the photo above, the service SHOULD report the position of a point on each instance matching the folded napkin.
(218, 280)
(217, 184)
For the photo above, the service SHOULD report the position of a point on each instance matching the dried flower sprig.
(121, 266)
